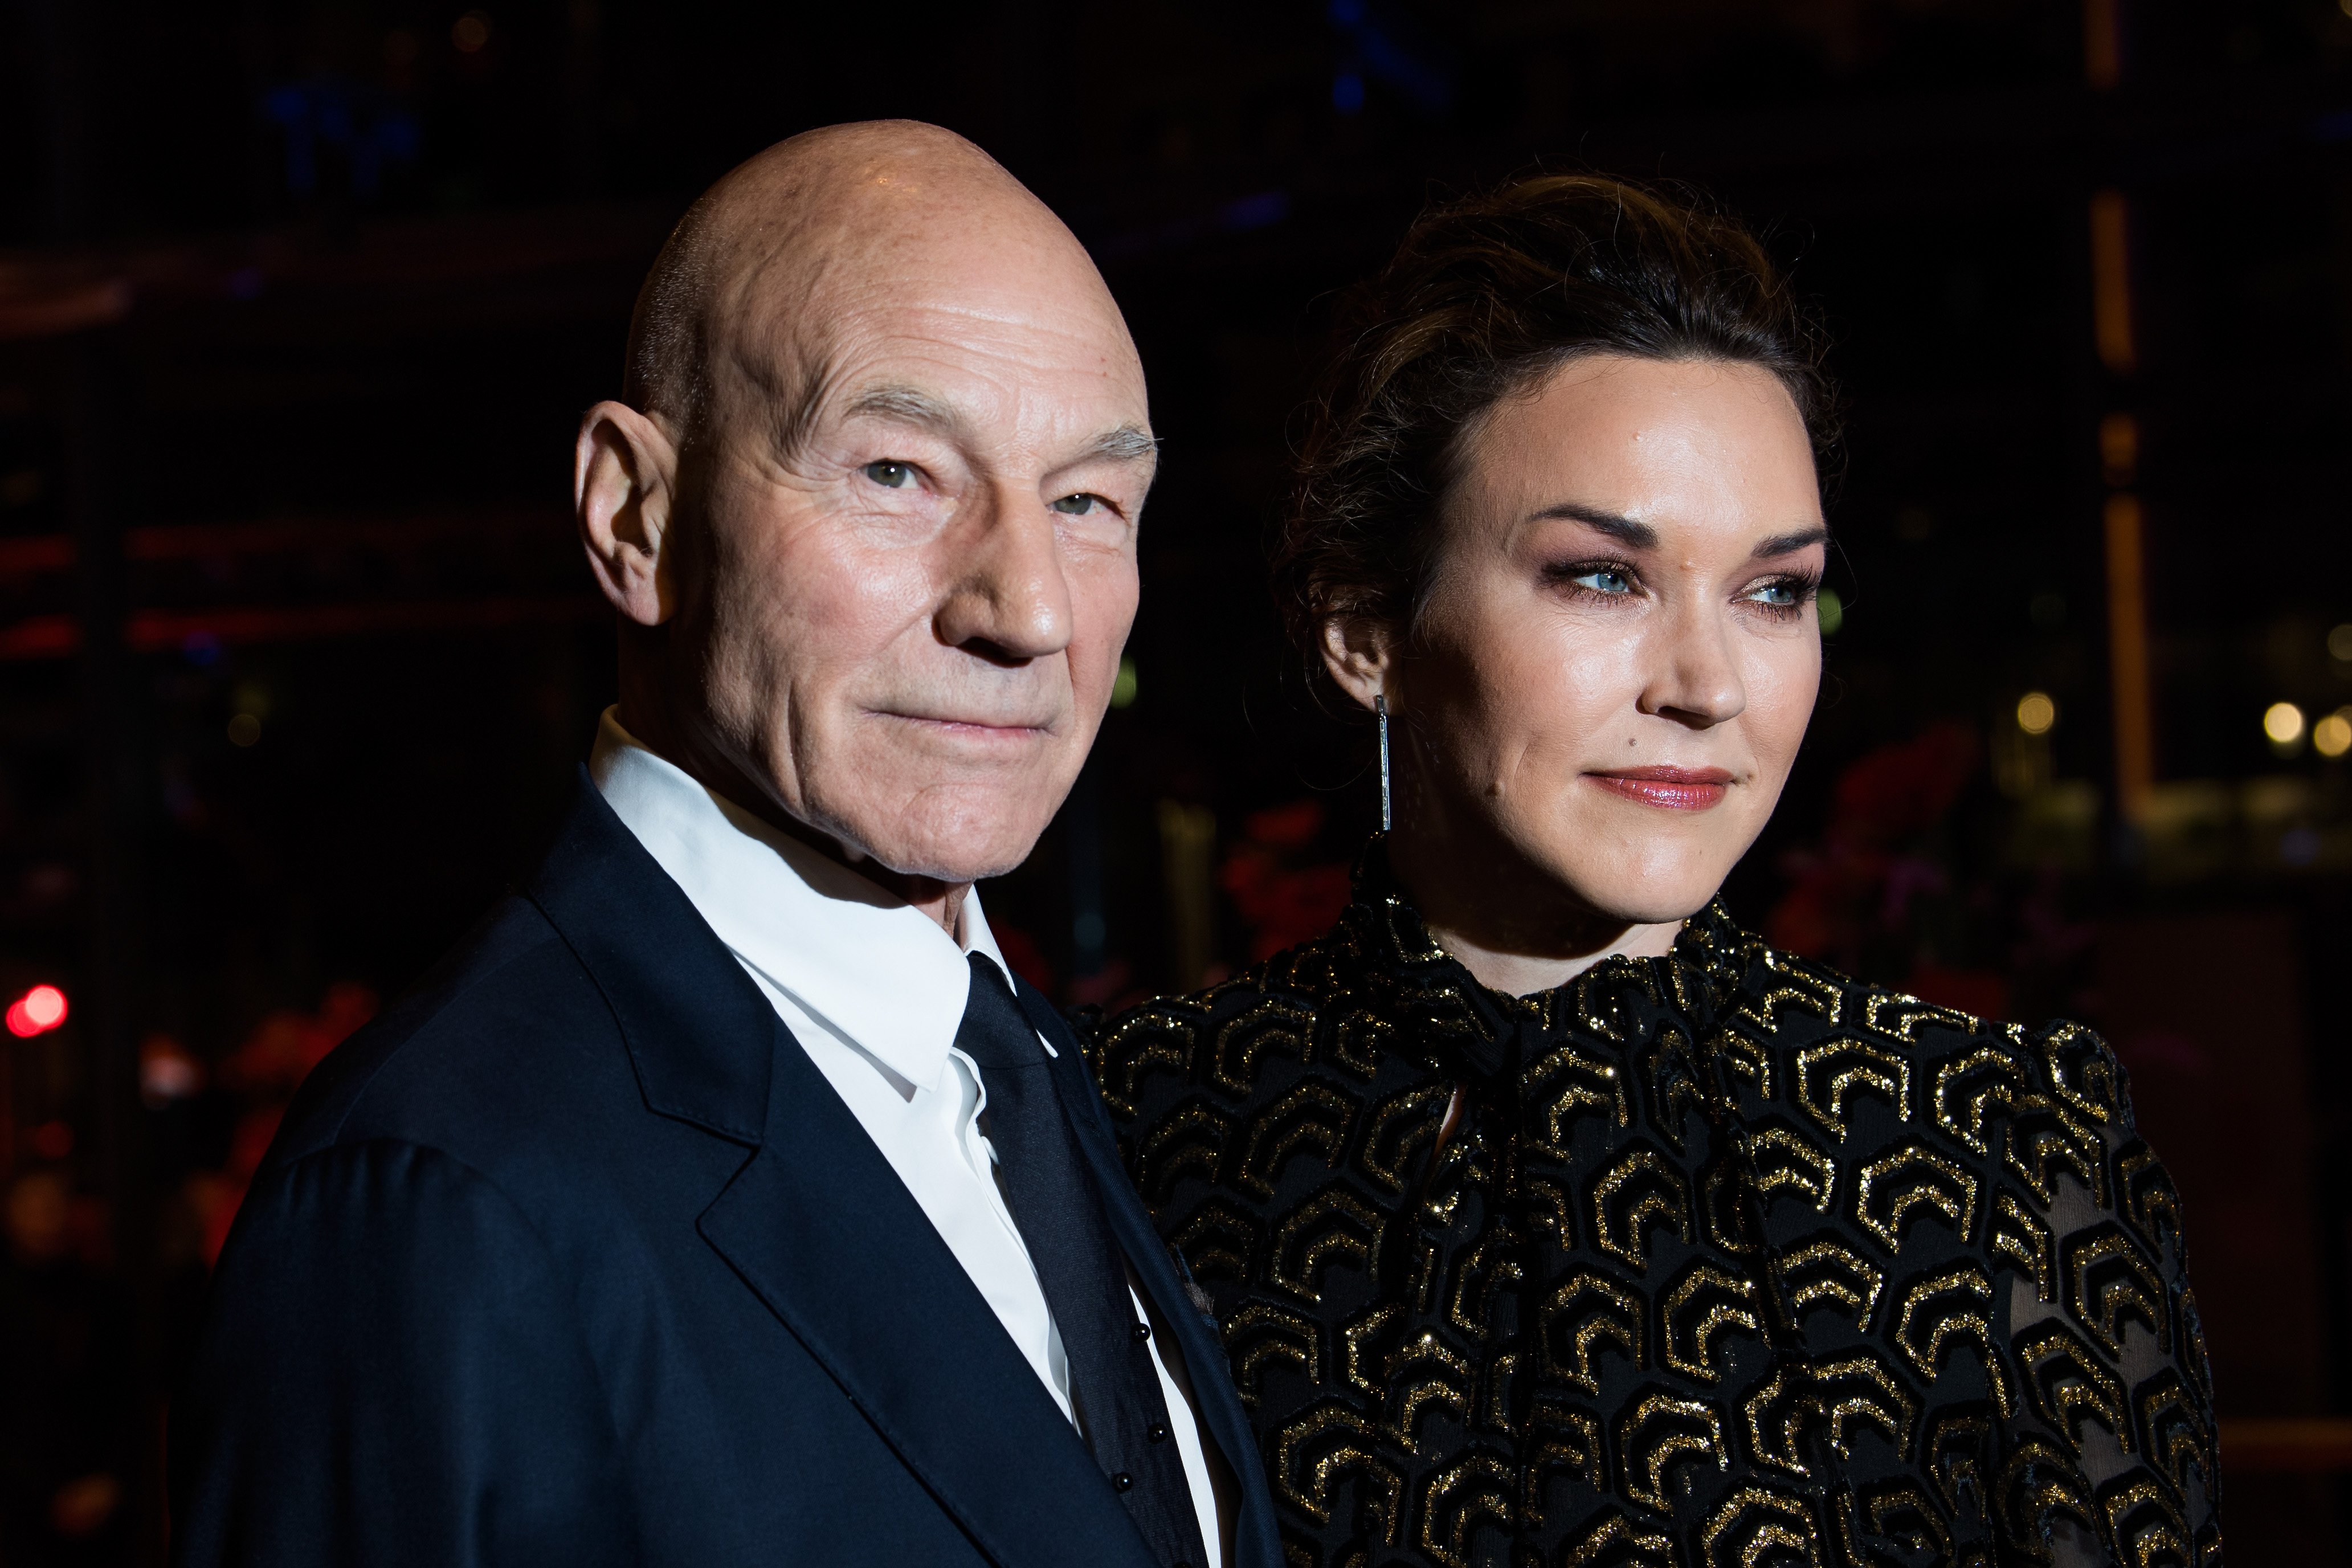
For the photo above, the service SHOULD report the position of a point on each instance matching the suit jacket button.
(1156, 1432)
(1121, 1481)
(1143, 1330)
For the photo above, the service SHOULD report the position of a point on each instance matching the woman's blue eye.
(891, 476)
(1779, 595)
(1604, 580)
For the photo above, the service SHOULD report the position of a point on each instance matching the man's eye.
(891, 475)
(1079, 505)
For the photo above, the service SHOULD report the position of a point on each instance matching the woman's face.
(1619, 654)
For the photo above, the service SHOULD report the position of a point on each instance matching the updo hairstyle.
(1485, 299)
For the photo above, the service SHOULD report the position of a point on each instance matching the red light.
(36, 1012)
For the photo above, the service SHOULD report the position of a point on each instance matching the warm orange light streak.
(2103, 44)
(2127, 655)
(2111, 290)
(2119, 448)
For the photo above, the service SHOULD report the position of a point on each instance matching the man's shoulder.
(509, 1028)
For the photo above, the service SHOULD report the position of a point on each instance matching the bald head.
(738, 301)
(868, 507)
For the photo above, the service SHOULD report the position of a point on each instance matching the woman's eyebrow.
(1624, 530)
(1783, 543)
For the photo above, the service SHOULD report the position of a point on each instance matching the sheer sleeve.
(2107, 1451)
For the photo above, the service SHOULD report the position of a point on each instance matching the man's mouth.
(1669, 789)
(992, 727)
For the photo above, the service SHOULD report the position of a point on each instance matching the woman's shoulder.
(1836, 1026)
(1222, 1030)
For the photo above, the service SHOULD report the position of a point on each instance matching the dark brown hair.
(1483, 298)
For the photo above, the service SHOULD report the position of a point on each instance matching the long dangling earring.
(1380, 707)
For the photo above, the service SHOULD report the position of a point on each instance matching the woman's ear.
(624, 483)
(1356, 653)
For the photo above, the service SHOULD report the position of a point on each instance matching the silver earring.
(1381, 707)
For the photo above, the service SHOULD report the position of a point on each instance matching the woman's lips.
(1672, 789)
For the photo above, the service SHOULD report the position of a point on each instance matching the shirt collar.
(867, 964)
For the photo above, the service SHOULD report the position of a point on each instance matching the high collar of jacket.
(1460, 1024)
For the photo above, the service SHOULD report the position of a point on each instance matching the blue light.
(1260, 211)
(1347, 92)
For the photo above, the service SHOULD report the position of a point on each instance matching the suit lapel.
(1256, 1544)
(819, 1226)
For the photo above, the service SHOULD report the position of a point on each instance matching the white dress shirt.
(874, 990)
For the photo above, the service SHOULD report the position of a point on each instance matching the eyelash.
(1805, 584)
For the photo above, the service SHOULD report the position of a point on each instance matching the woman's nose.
(1695, 678)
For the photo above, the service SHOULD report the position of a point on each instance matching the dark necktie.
(1060, 1214)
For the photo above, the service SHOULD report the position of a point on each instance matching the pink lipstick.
(1670, 789)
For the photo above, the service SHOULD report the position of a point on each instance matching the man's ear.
(1357, 656)
(623, 486)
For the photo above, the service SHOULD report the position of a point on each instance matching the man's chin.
(953, 841)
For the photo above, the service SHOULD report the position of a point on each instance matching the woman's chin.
(1643, 891)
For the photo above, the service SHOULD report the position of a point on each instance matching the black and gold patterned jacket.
(1712, 1260)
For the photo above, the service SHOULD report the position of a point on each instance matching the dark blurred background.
(299, 301)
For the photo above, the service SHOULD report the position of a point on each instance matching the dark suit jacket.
(575, 1257)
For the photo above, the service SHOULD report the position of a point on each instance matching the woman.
(1550, 1217)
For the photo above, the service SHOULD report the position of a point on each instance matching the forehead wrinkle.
(806, 304)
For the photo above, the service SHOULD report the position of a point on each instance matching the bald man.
(724, 1198)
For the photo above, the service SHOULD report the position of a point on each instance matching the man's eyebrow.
(1128, 444)
(913, 406)
(1624, 530)
(908, 406)
(1784, 543)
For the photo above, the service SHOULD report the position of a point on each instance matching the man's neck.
(651, 726)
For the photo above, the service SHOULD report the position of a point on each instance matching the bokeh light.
(1831, 611)
(36, 1012)
(471, 32)
(2036, 713)
(2283, 722)
(2339, 643)
(2331, 736)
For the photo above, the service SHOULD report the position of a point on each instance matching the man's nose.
(1694, 677)
(1007, 598)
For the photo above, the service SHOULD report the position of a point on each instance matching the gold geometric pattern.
(1914, 1178)
(1661, 1433)
(1715, 1258)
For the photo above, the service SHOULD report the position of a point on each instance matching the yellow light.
(1831, 609)
(2036, 713)
(1122, 685)
(243, 729)
(2119, 448)
(2331, 736)
(2283, 722)
(2339, 644)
